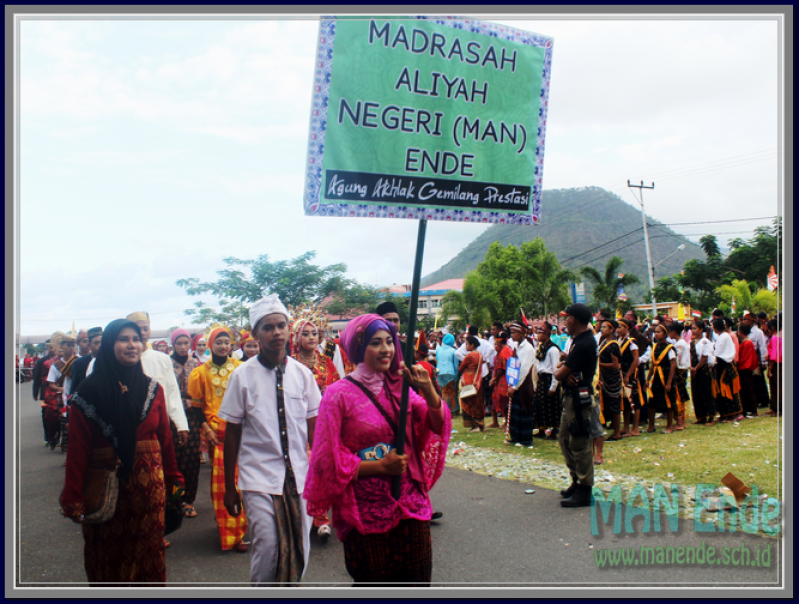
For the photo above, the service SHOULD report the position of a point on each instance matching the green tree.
(606, 285)
(740, 290)
(671, 289)
(357, 298)
(295, 281)
(544, 281)
(751, 260)
(495, 286)
(460, 310)
(709, 245)
(704, 278)
(765, 301)
(747, 298)
(509, 277)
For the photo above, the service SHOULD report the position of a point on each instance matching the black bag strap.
(375, 402)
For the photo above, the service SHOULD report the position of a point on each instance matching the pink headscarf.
(177, 334)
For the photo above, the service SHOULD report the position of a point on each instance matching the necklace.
(309, 361)
(219, 373)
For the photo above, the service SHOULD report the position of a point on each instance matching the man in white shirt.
(59, 378)
(62, 368)
(331, 350)
(270, 407)
(158, 366)
(520, 420)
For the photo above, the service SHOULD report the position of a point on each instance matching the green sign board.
(442, 119)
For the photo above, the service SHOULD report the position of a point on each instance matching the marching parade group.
(300, 426)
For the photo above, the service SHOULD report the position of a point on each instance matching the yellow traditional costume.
(207, 385)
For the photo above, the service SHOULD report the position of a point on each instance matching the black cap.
(581, 312)
(386, 307)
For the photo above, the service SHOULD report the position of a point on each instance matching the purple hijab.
(354, 340)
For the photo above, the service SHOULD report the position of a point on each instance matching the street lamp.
(682, 246)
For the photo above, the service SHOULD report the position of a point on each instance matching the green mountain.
(585, 226)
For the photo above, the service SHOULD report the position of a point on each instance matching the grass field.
(750, 449)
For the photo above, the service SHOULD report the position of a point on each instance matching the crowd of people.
(301, 427)
(642, 371)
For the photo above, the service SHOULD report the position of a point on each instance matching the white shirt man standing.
(158, 366)
(270, 407)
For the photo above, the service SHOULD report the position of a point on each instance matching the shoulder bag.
(470, 389)
(100, 492)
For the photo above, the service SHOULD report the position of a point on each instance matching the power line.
(735, 159)
(589, 262)
(713, 169)
(717, 221)
(602, 245)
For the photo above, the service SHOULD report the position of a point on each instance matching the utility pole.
(650, 269)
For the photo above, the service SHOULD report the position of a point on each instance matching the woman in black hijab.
(121, 415)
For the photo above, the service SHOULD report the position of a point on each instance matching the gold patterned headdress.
(214, 326)
(303, 314)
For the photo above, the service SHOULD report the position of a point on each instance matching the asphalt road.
(492, 534)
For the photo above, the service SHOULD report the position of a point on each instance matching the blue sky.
(151, 150)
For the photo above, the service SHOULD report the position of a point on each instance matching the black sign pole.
(408, 353)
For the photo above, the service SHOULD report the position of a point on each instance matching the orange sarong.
(231, 528)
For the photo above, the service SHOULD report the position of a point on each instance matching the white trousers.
(264, 536)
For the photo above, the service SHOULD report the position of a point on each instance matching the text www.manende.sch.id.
(683, 555)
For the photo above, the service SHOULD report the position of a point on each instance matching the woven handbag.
(470, 389)
(100, 492)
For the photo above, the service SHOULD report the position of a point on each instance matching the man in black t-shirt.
(576, 375)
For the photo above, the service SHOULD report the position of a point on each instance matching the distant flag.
(696, 314)
(772, 279)
(524, 318)
(733, 306)
(421, 340)
(681, 313)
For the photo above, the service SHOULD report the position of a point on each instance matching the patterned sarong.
(729, 403)
(703, 393)
(546, 408)
(231, 528)
(400, 557)
(129, 549)
(519, 426)
(289, 520)
(681, 393)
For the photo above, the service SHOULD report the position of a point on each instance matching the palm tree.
(606, 286)
(709, 245)
(740, 290)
